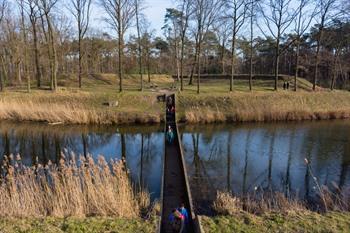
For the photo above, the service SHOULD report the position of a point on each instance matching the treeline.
(44, 40)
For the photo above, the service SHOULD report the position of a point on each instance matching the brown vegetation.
(265, 202)
(75, 188)
(78, 108)
(244, 107)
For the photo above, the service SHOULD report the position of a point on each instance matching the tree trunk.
(223, 56)
(139, 44)
(182, 63)
(233, 59)
(177, 58)
(194, 62)
(80, 59)
(193, 68)
(36, 54)
(148, 66)
(24, 35)
(199, 67)
(296, 65)
(334, 75)
(277, 59)
(120, 57)
(251, 48)
(318, 47)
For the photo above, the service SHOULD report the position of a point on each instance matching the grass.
(274, 212)
(77, 225)
(73, 188)
(95, 102)
(89, 105)
(301, 221)
(216, 104)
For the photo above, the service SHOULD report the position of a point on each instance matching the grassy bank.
(275, 212)
(301, 221)
(99, 102)
(77, 225)
(216, 104)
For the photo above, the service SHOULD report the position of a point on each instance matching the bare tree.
(252, 17)
(81, 11)
(205, 14)
(120, 15)
(46, 7)
(303, 21)
(21, 4)
(172, 31)
(138, 8)
(237, 13)
(278, 15)
(325, 14)
(3, 5)
(223, 31)
(32, 11)
(146, 45)
(185, 7)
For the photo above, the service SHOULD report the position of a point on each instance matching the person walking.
(184, 213)
(177, 221)
(170, 135)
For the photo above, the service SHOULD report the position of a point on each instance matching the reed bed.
(70, 112)
(268, 201)
(74, 188)
(264, 106)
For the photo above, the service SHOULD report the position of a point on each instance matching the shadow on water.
(140, 146)
(266, 156)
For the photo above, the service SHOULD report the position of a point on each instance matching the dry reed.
(268, 201)
(264, 106)
(68, 113)
(76, 188)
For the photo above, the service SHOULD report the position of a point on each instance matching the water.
(246, 157)
(237, 158)
(43, 142)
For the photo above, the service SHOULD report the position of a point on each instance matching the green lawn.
(75, 225)
(277, 222)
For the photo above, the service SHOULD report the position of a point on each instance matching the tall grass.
(263, 106)
(268, 201)
(75, 187)
(70, 112)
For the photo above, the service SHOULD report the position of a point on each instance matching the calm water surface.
(237, 158)
(143, 146)
(241, 158)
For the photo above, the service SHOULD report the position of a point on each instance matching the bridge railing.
(196, 221)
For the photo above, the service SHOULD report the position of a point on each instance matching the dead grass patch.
(77, 188)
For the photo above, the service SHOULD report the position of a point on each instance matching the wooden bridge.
(175, 185)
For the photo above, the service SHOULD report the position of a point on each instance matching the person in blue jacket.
(177, 221)
(184, 213)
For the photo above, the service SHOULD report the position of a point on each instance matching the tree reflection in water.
(140, 147)
(241, 158)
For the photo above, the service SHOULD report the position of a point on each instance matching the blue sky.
(155, 11)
